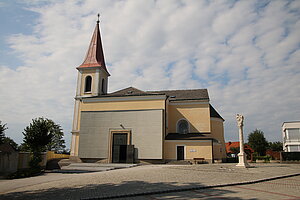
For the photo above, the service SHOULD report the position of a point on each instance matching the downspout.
(166, 116)
(165, 122)
(212, 151)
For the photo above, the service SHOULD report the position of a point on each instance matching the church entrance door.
(180, 152)
(119, 147)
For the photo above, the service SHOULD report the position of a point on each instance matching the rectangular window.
(293, 133)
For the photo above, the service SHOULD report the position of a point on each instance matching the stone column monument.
(242, 155)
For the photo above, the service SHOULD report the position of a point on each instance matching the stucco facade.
(134, 125)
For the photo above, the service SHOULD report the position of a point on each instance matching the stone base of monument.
(242, 161)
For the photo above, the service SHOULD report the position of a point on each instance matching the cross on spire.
(98, 18)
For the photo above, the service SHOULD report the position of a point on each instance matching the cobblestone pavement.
(286, 188)
(158, 178)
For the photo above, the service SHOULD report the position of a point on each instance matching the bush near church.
(40, 135)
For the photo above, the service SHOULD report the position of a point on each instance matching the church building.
(131, 125)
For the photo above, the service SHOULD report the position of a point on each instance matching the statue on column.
(242, 156)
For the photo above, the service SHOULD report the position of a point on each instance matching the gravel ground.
(137, 179)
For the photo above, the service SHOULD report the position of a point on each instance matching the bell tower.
(92, 81)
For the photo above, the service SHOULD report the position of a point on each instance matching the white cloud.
(247, 56)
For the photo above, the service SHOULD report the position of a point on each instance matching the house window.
(103, 86)
(88, 84)
(293, 133)
(182, 126)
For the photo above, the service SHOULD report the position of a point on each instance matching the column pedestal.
(242, 161)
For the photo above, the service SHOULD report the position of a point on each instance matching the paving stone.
(155, 179)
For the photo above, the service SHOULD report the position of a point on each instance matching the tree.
(8, 140)
(275, 146)
(258, 142)
(57, 142)
(37, 136)
(2, 132)
(235, 150)
(24, 147)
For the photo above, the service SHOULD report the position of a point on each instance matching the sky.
(246, 53)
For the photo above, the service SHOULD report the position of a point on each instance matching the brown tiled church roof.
(199, 94)
(127, 92)
(195, 94)
(174, 95)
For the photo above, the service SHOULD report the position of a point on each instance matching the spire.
(94, 56)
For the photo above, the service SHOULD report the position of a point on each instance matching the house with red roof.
(229, 145)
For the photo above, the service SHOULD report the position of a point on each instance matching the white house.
(291, 136)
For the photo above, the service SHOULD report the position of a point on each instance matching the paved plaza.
(206, 181)
(286, 188)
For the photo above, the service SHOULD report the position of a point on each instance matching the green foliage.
(8, 140)
(35, 160)
(258, 142)
(36, 136)
(265, 158)
(42, 134)
(57, 143)
(275, 146)
(235, 150)
(2, 132)
(24, 147)
(248, 154)
(65, 151)
(23, 173)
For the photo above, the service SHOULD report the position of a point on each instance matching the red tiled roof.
(236, 145)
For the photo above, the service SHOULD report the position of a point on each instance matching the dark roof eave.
(190, 139)
(188, 136)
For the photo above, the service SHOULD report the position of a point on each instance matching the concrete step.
(115, 165)
(95, 167)
(64, 162)
(90, 169)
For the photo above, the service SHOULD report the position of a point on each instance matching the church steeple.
(95, 56)
(92, 73)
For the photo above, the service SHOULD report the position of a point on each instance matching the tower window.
(88, 84)
(103, 86)
(182, 126)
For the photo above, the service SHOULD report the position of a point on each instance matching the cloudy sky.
(246, 53)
